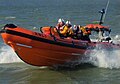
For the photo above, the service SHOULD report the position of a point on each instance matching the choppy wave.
(7, 55)
(10, 17)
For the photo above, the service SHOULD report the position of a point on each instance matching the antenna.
(101, 19)
(103, 12)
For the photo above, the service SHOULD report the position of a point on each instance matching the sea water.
(32, 14)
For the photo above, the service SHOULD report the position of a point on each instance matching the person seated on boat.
(67, 30)
(77, 33)
(60, 24)
(104, 36)
(85, 34)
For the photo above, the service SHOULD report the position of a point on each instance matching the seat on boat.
(49, 31)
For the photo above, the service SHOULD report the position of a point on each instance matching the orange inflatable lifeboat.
(45, 48)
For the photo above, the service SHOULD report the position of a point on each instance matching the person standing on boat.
(67, 30)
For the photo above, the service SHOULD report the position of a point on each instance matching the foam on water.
(104, 58)
(7, 55)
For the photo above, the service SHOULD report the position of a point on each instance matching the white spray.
(7, 55)
(103, 58)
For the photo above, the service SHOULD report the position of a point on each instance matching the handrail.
(41, 29)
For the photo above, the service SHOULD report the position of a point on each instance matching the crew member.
(67, 30)
(104, 36)
(77, 33)
(60, 24)
(85, 34)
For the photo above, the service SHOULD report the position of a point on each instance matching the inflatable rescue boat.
(47, 48)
